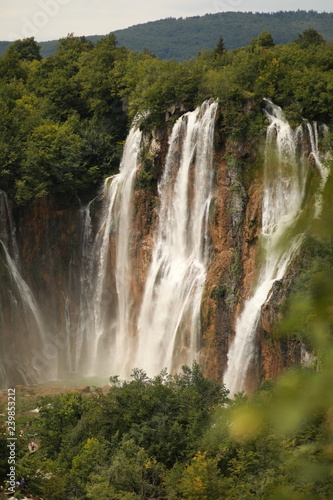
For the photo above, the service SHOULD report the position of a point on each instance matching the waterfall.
(102, 330)
(165, 332)
(24, 317)
(168, 323)
(103, 327)
(7, 227)
(285, 176)
(85, 324)
(112, 304)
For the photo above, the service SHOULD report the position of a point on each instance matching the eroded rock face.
(234, 230)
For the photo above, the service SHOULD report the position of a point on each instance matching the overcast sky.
(53, 19)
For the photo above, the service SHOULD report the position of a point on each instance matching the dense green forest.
(182, 39)
(185, 38)
(64, 118)
(63, 122)
(181, 438)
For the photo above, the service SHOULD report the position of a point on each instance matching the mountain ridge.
(183, 38)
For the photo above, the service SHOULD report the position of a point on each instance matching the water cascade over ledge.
(285, 177)
(168, 323)
(117, 284)
(165, 332)
(22, 313)
(113, 336)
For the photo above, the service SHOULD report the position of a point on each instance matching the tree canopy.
(88, 94)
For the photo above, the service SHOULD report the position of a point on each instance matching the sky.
(54, 19)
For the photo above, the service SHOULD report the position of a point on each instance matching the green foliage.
(124, 440)
(184, 38)
(64, 118)
(265, 39)
(119, 445)
(26, 49)
(61, 131)
(63, 121)
(92, 456)
(59, 414)
(52, 162)
(11, 67)
(310, 37)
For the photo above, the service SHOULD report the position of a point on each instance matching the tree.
(133, 471)
(26, 49)
(11, 67)
(265, 39)
(92, 455)
(219, 49)
(73, 45)
(310, 37)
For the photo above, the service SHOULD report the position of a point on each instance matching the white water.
(100, 333)
(7, 227)
(168, 323)
(286, 170)
(111, 335)
(26, 310)
(85, 324)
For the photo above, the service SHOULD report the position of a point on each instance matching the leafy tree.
(265, 40)
(59, 414)
(73, 46)
(26, 49)
(199, 480)
(52, 163)
(11, 67)
(310, 37)
(133, 471)
(92, 456)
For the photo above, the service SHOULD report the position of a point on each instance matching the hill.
(182, 39)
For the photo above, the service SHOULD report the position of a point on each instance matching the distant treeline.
(182, 39)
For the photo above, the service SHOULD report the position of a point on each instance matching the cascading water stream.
(7, 227)
(285, 176)
(85, 324)
(112, 335)
(103, 326)
(168, 323)
(323, 169)
(25, 316)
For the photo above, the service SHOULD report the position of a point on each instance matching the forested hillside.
(186, 37)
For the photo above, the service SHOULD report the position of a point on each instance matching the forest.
(63, 122)
(64, 118)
